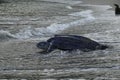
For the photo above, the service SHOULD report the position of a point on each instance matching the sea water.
(23, 25)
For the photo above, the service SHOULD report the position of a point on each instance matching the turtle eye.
(42, 44)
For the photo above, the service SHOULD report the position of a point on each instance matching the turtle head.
(42, 45)
(103, 47)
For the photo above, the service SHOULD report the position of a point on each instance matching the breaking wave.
(5, 35)
(52, 29)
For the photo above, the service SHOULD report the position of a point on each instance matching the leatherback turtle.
(69, 43)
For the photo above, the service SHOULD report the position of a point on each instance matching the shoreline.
(20, 58)
(100, 2)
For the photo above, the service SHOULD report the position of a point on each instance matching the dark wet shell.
(71, 42)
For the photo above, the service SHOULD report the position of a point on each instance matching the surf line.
(109, 42)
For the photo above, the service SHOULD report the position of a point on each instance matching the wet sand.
(101, 2)
(19, 58)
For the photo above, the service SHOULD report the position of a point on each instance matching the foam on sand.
(65, 1)
(54, 28)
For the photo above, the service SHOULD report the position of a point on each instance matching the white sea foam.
(54, 28)
(76, 79)
(24, 33)
(98, 7)
(65, 1)
(30, 32)
(69, 7)
(86, 14)
(10, 18)
(90, 69)
(4, 35)
(105, 78)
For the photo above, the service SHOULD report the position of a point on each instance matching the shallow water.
(24, 24)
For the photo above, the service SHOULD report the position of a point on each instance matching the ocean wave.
(54, 28)
(65, 1)
(86, 14)
(6, 35)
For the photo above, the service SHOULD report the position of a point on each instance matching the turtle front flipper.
(43, 52)
(50, 47)
(46, 51)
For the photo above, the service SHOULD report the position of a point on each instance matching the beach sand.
(102, 2)
(19, 59)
